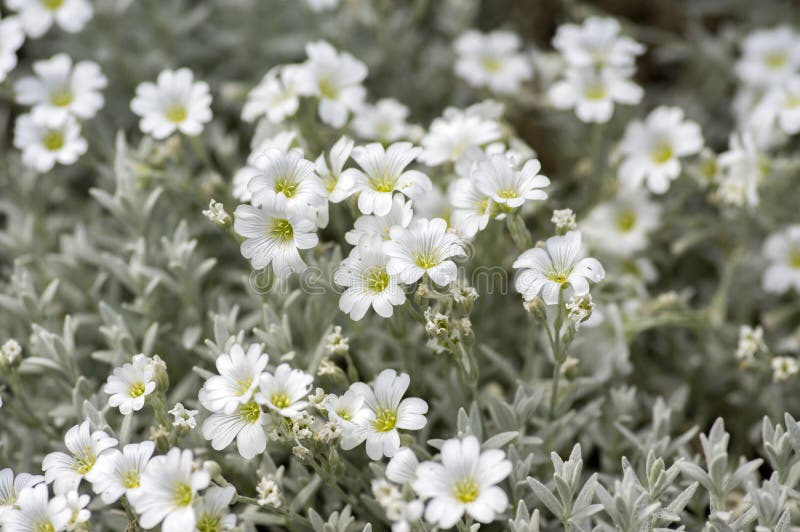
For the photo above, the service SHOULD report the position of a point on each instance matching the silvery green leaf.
(546, 497)
(499, 441)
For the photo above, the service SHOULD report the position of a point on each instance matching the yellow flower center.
(377, 280)
(708, 168)
(53, 140)
(182, 495)
(136, 390)
(482, 205)
(130, 479)
(793, 101)
(385, 420)
(776, 60)
(794, 259)
(426, 260)
(85, 461)
(662, 153)
(382, 183)
(492, 64)
(208, 523)
(557, 277)
(507, 193)
(328, 89)
(250, 412)
(243, 386)
(61, 98)
(280, 400)
(176, 113)
(281, 229)
(626, 221)
(330, 182)
(287, 186)
(466, 490)
(595, 92)
(344, 414)
(52, 5)
(45, 527)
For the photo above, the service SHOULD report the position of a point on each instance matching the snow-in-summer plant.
(339, 266)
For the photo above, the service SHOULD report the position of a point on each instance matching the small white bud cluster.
(217, 215)
(336, 343)
(269, 493)
(11, 352)
(751, 341)
(564, 220)
(184, 419)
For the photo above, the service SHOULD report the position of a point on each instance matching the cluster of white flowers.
(599, 65)
(62, 94)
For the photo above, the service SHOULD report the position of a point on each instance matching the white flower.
(286, 391)
(784, 103)
(174, 103)
(383, 173)
(465, 481)
(387, 412)
(36, 512)
(212, 510)
(368, 282)
(46, 140)
(275, 96)
(346, 409)
(11, 487)
(549, 269)
(237, 381)
(85, 447)
(79, 514)
(286, 174)
(119, 472)
(59, 87)
(424, 247)
(620, 227)
(783, 368)
(782, 250)
(596, 43)
(335, 78)
(337, 185)
(400, 214)
(38, 15)
(167, 491)
(492, 60)
(402, 468)
(385, 121)
(273, 234)
(454, 133)
(279, 141)
(740, 171)
(592, 93)
(652, 149)
(769, 57)
(472, 209)
(497, 178)
(182, 417)
(244, 424)
(11, 39)
(130, 385)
